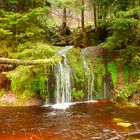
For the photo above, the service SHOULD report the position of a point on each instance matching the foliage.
(103, 9)
(136, 60)
(137, 89)
(77, 94)
(2, 93)
(60, 3)
(131, 88)
(81, 73)
(76, 62)
(113, 70)
(124, 93)
(5, 50)
(25, 79)
(23, 27)
(23, 23)
(69, 4)
(99, 72)
(31, 80)
(123, 27)
(31, 51)
(126, 73)
(99, 80)
(124, 39)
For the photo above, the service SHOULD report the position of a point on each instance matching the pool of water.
(82, 121)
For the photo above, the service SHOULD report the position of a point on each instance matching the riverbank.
(10, 99)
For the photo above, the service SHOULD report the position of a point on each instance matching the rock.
(123, 124)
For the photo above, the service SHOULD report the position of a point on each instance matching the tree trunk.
(95, 15)
(64, 20)
(51, 60)
(82, 17)
(99, 11)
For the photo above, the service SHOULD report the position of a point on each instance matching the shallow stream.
(82, 121)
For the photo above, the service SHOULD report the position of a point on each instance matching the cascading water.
(63, 78)
(104, 90)
(90, 76)
(59, 83)
(90, 85)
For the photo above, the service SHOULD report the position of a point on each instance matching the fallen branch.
(52, 60)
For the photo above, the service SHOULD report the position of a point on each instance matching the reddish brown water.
(85, 121)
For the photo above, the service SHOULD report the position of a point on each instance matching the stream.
(81, 121)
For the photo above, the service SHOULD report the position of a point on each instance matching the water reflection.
(83, 121)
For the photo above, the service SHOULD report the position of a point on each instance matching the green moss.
(76, 62)
(123, 93)
(99, 81)
(126, 74)
(103, 70)
(77, 94)
(74, 56)
(135, 72)
(81, 75)
(113, 70)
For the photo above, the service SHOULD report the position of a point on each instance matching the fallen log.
(52, 60)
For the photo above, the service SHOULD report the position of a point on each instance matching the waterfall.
(59, 81)
(90, 85)
(90, 76)
(104, 90)
(63, 78)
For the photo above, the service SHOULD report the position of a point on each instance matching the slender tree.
(82, 16)
(64, 20)
(95, 14)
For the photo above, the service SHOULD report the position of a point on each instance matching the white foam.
(61, 106)
(64, 106)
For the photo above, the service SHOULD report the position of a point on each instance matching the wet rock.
(124, 124)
